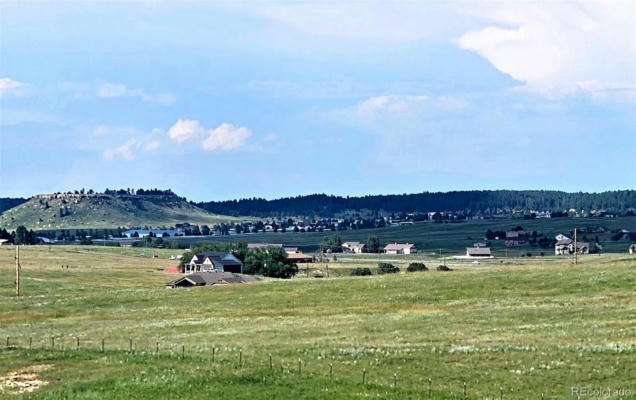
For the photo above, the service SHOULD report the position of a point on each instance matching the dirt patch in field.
(24, 380)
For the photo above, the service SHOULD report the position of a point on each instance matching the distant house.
(562, 245)
(565, 246)
(4, 242)
(478, 252)
(300, 257)
(214, 261)
(353, 247)
(291, 250)
(400, 248)
(209, 278)
(142, 233)
(256, 246)
(480, 244)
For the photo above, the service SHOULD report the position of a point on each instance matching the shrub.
(386, 268)
(443, 268)
(360, 271)
(416, 266)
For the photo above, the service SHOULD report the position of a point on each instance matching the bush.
(360, 271)
(386, 268)
(416, 266)
(443, 268)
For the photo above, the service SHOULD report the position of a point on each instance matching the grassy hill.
(512, 331)
(72, 211)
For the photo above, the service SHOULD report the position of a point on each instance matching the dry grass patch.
(25, 380)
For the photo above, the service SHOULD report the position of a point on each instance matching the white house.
(214, 261)
(564, 246)
(353, 247)
(400, 248)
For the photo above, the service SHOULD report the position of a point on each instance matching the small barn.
(482, 252)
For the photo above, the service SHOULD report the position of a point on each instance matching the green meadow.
(452, 238)
(511, 328)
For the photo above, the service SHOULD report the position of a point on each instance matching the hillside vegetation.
(475, 200)
(514, 331)
(73, 211)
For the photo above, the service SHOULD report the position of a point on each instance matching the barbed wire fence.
(231, 356)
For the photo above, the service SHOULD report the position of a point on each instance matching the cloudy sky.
(274, 98)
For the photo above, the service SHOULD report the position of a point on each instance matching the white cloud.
(560, 48)
(12, 116)
(152, 146)
(185, 129)
(125, 151)
(394, 108)
(12, 88)
(226, 137)
(101, 130)
(115, 90)
(390, 104)
(551, 47)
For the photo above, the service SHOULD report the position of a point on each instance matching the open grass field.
(514, 328)
(452, 238)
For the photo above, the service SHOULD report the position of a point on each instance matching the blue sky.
(219, 100)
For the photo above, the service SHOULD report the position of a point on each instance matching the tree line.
(483, 201)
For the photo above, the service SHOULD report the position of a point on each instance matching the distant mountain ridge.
(474, 200)
(10, 202)
(111, 209)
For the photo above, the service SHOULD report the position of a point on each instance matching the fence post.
(501, 393)
(157, 348)
(395, 381)
(299, 366)
(130, 347)
(541, 395)
(183, 351)
(430, 389)
(240, 358)
(30, 342)
(102, 345)
(213, 351)
(364, 376)
(464, 390)
(77, 344)
(52, 342)
(7, 341)
(330, 370)
(270, 361)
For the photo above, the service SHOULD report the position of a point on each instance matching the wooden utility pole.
(17, 271)
(576, 253)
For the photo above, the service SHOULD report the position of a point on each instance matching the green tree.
(360, 271)
(373, 244)
(386, 268)
(270, 262)
(334, 243)
(22, 236)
